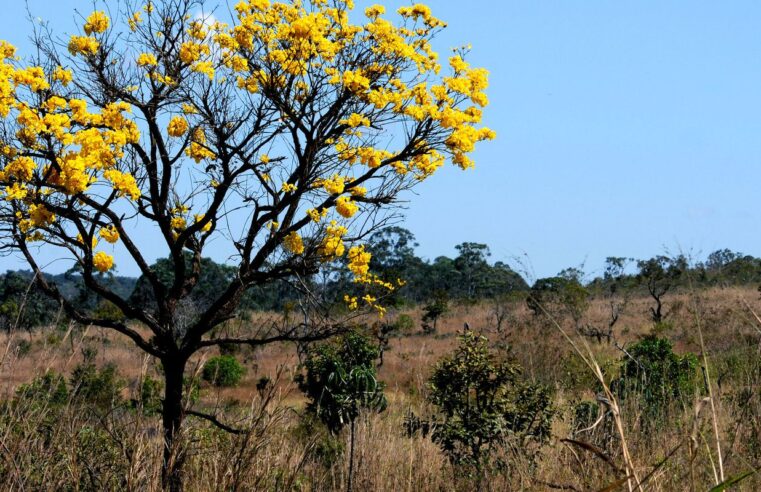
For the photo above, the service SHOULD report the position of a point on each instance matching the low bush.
(223, 371)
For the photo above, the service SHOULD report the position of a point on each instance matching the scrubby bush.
(656, 377)
(483, 405)
(100, 387)
(340, 380)
(223, 371)
(150, 395)
(47, 389)
(404, 324)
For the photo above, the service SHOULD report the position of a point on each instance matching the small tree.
(482, 404)
(280, 135)
(616, 290)
(563, 295)
(340, 381)
(433, 311)
(660, 274)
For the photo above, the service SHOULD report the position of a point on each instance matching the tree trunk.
(172, 416)
(351, 458)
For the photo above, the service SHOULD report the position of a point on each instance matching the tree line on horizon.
(468, 277)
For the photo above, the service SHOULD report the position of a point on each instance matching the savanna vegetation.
(323, 353)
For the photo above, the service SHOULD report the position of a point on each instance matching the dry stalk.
(591, 362)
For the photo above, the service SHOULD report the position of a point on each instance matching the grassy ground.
(70, 447)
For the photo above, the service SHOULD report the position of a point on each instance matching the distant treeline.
(469, 276)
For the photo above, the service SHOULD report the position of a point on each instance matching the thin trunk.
(351, 458)
(172, 416)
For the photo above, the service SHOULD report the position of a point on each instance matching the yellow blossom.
(346, 207)
(207, 227)
(62, 75)
(96, 23)
(293, 243)
(355, 120)
(332, 246)
(178, 126)
(103, 262)
(178, 223)
(84, 45)
(147, 60)
(351, 302)
(359, 261)
(110, 234)
(334, 185)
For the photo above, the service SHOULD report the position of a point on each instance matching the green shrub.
(48, 389)
(656, 377)
(223, 370)
(23, 347)
(151, 392)
(433, 311)
(101, 387)
(404, 324)
(483, 405)
(340, 380)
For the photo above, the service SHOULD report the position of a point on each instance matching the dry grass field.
(71, 449)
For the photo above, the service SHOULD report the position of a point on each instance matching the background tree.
(659, 274)
(279, 137)
(616, 288)
(471, 264)
(434, 310)
(563, 295)
(22, 305)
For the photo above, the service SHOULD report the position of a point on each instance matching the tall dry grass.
(78, 446)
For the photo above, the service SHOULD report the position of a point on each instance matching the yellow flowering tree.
(284, 133)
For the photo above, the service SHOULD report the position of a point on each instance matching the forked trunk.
(172, 416)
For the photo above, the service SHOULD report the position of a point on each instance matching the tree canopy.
(284, 134)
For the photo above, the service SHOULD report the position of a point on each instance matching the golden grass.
(682, 455)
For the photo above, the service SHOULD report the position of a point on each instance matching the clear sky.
(624, 128)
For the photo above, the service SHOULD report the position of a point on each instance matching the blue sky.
(624, 128)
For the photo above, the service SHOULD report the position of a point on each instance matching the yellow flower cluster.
(40, 216)
(178, 126)
(346, 207)
(83, 45)
(317, 216)
(190, 51)
(359, 261)
(204, 67)
(147, 60)
(197, 149)
(20, 168)
(294, 243)
(420, 11)
(333, 185)
(123, 183)
(351, 302)
(63, 76)
(103, 262)
(355, 120)
(97, 23)
(332, 244)
(109, 234)
(207, 226)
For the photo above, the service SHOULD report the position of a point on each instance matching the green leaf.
(732, 481)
